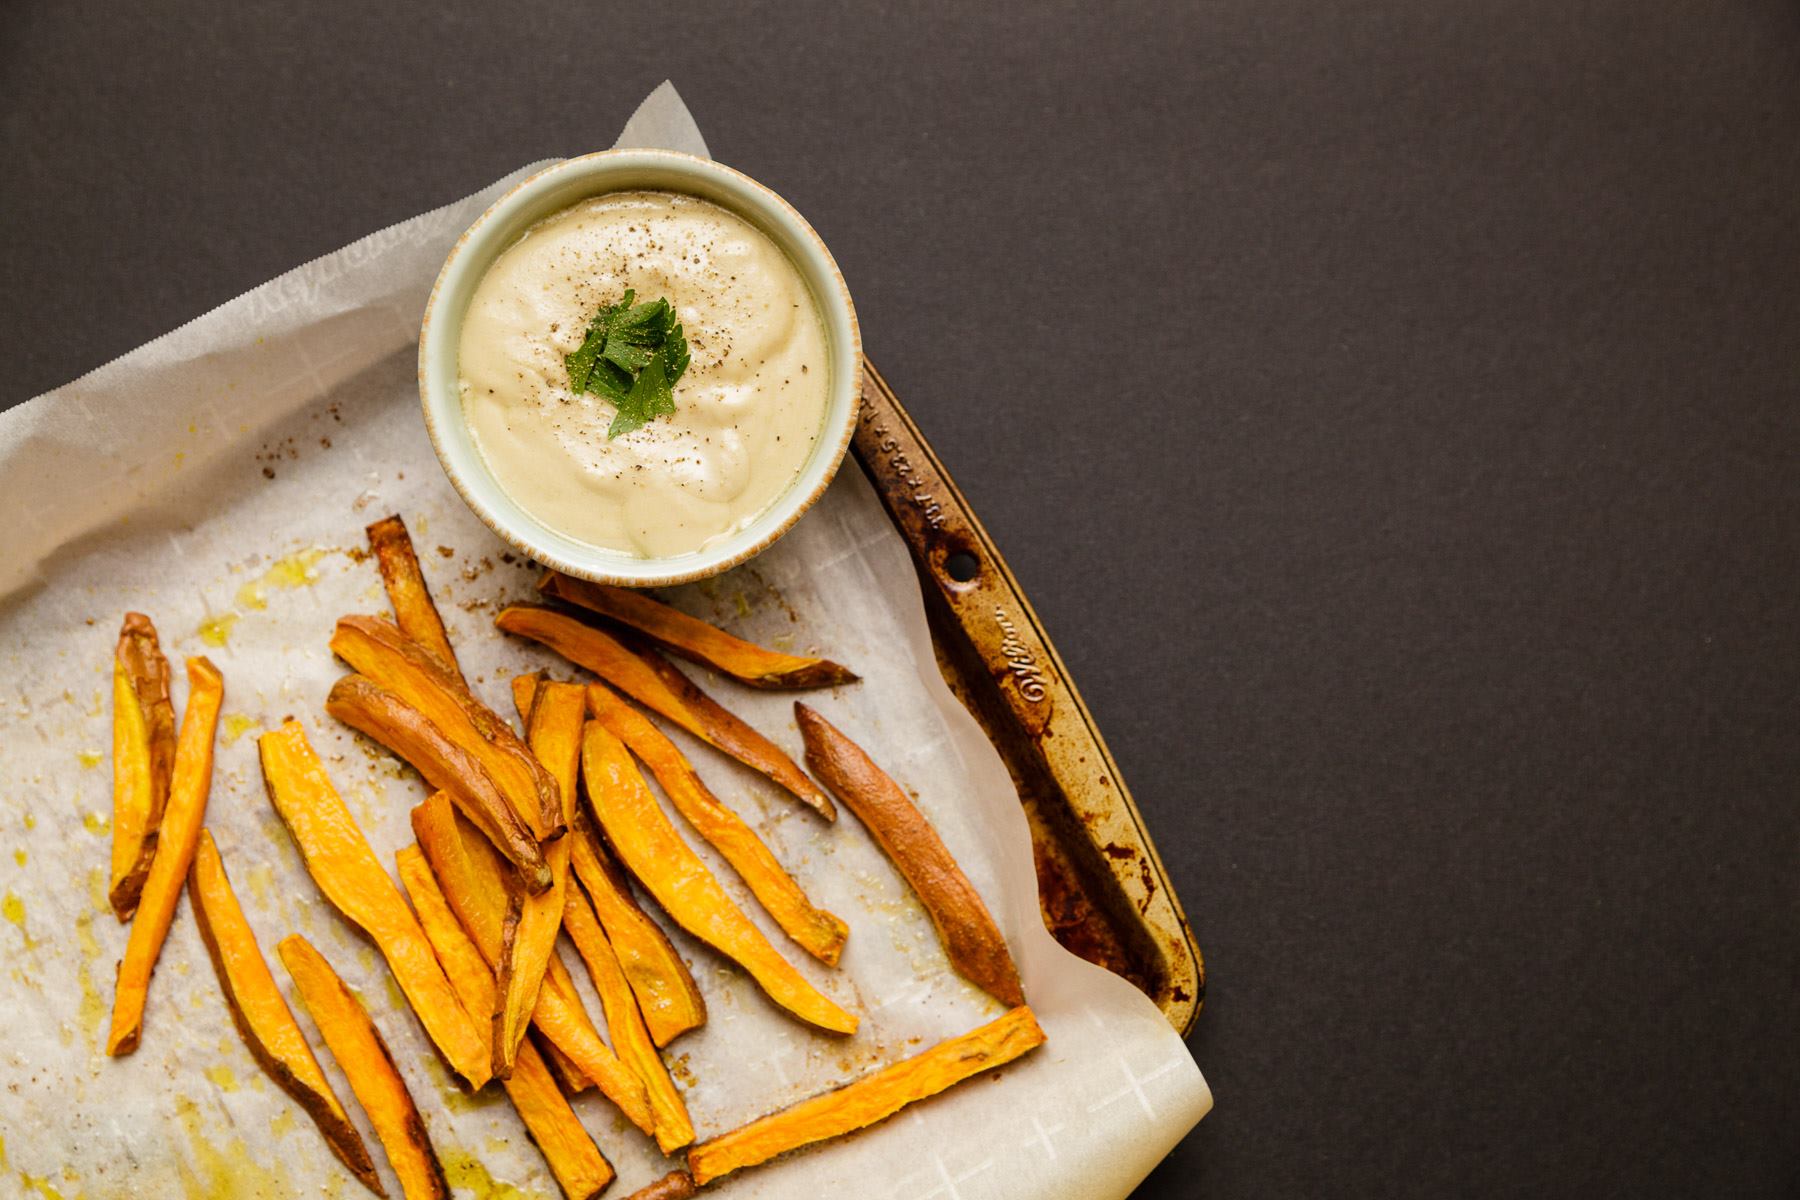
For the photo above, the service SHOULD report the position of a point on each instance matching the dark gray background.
(1390, 408)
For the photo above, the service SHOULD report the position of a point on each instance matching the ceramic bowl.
(552, 190)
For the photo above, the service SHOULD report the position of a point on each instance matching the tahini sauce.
(747, 411)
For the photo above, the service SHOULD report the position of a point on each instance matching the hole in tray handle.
(961, 566)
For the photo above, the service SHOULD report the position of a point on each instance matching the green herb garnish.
(633, 355)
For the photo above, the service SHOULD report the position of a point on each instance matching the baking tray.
(1101, 885)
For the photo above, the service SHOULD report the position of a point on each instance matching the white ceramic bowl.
(552, 190)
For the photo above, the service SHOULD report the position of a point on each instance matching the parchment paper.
(219, 479)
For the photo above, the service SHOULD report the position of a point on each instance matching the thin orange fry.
(404, 580)
(379, 650)
(820, 933)
(379, 714)
(364, 1058)
(471, 877)
(468, 972)
(554, 732)
(262, 1017)
(872, 1098)
(651, 849)
(143, 757)
(182, 819)
(665, 989)
(652, 681)
(348, 873)
(569, 1150)
(694, 639)
(630, 1039)
(524, 690)
(970, 938)
(580, 1169)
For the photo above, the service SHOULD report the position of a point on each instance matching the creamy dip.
(747, 411)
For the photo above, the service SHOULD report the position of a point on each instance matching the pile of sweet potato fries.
(527, 834)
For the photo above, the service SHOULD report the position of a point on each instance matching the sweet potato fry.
(469, 974)
(568, 1149)
(524, 691)
(377, 649)
(447, 766)
(366, 1062)
(965, 927)
(630, 1039)
(651, 849)
(653, 682)
(554, 732)
(347, 872)
(580, 1169)
(143, 757)
(262, 1017)
(568, 1076)
(694, 639)
(666, 993)
(676, 1185)
(470, 875)
(401, 575)
(868, 1100)
(467, 970)
(819, 933)
(189, 782)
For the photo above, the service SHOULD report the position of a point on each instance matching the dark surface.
(1392, 410)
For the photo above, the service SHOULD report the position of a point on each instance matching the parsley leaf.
(643, 403)
(624, 355)
(632, 355)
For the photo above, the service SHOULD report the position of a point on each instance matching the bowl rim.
(823, 279)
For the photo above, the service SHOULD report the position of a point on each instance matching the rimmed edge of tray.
(1102, 885)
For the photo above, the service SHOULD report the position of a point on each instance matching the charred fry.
(447, 766)
(676, 1185)
(471, 878)
(870, 1099)
(818, 932)
(190, 781)
(347, 872)
(667, 996)
(262, 1017)
(580, 1169)
(414, 612)
(682, 884)
(651, 681)
(971, 939)
(694, 639)
(630, 1039)
(366, 1062)
(377, 649)
(143, 757)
